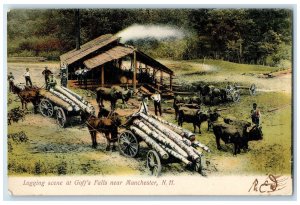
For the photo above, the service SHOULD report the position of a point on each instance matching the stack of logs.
(167, 139)
(67, 99)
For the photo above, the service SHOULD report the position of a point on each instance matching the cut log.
(74, 94)
(158, 136)
(179, 130)
(64, 98)
(176, 155)
(82, 106)
(202, 146)
(150, 142)
(172, 135)
(46, 94)
(198, 152)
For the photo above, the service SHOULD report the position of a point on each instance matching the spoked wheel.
(153, 163)
(236, 96)
(46, 108)
(252, 89)
(61, 118)
(128, 144)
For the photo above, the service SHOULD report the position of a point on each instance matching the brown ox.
(27, 95)
(107, 125)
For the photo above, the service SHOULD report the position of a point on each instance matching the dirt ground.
(51, 150)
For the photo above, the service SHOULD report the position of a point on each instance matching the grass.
(55, 151)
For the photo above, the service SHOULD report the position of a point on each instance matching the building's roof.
(88, 48)
(109, 55)
(121, 51)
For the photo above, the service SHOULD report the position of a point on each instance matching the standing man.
(84, 76)
(27, 78)
(64, 80)
(255, 114)
(51, 82)
(46, 74)
(10, 79)
(157, 102)
(79, 75)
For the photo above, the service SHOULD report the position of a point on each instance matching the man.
(84, 76)
(10, 79)
(157, 102)
(255, 114)
(78, 72)
(27, 78)
(64, 80)
(46, 74)
(51, 82)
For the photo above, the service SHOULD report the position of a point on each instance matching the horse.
(107, 126)
(27, 95)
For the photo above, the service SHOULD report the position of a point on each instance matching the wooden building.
(110, 62)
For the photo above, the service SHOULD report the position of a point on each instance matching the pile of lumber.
(67, 99)
(166, 138)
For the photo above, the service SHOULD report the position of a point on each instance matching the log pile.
(166, 138)
(67, 99)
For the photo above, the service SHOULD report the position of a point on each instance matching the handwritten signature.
(270, 184)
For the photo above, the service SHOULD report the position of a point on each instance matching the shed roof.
(109, 55)
(88, 48)
(121, 51)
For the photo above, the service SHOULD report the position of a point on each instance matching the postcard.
(186, 101)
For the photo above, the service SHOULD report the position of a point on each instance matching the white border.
(115, 3)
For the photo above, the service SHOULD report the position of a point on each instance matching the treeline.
(253, 36)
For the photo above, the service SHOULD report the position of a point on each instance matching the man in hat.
(51, 82)
(46, 74)
(157, 102)
(27, 78)
(64, 80)
(255, 114)
(10, 79)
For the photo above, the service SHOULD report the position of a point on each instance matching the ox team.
(184, 112)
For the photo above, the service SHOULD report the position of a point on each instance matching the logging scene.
(151, 92)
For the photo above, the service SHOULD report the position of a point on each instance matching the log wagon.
(63, 104)
(251, 89)
(168, 143)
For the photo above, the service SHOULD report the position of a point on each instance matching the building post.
(102, 75)
(171, 79)
(134, 71)
(161, 78)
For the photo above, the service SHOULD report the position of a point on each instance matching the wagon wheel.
(61, 118)
(128, 144)
(252, 89)
(153, 163)
(46, 108)
(236, 96)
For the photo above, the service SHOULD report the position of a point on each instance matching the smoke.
(158, 32)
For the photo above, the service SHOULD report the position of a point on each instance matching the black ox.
(233, 134)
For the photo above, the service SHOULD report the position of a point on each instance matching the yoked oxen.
(233, 134)
(113, 94)
(189, 115)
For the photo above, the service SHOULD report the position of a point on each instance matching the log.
(82, 106)
(46, 94)
(202, 146)
(197, 152)
(179, 130)
(176, 155)
(150, 142)
(75, 107)
(158, 136)
(73, 93)
(172, 135)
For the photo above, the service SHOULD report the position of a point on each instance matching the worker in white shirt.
(157, 102)
(27, 78)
